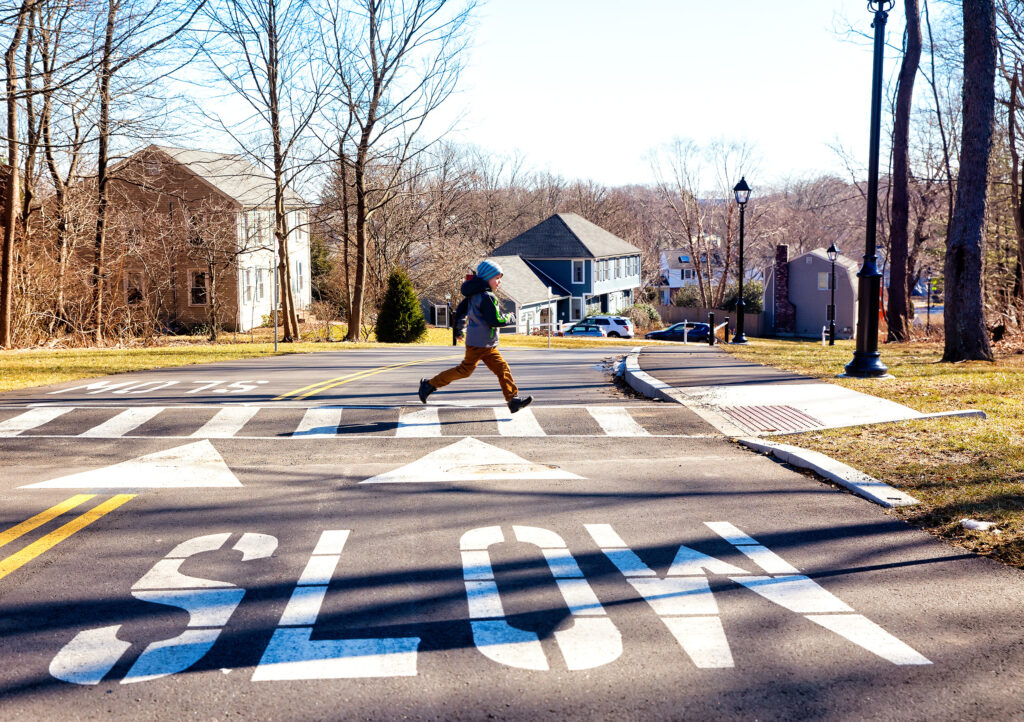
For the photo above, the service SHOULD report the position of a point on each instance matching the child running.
(480, 307)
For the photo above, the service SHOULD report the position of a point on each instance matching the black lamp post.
(455, 331)
(866, 361)
(742, 192)
(833, 254)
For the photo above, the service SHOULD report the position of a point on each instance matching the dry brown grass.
(959, 468)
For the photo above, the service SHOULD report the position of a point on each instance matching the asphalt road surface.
(322, 546)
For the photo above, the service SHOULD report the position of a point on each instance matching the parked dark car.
(696, 332)
(585, 329)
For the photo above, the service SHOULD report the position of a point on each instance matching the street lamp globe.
(833, 252)
(881, 5)
(742, 191)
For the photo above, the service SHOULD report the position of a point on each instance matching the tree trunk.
(966, 335)
(102, 189)
(899, 308)
(355, 315)
(12, 203)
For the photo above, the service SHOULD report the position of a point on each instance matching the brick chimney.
(785, 312)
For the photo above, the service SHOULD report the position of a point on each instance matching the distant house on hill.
(590, 270)
(203, 224)
(797, 294)
(561, 270)
(678, 268)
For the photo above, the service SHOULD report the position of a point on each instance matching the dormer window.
(684, 259)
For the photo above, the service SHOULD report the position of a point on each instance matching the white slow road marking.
(228, 422)
(319, 422)
(292, 654)
(421, 422)
(31, 419)
(124, 422)
(616, 421)
(523, 423)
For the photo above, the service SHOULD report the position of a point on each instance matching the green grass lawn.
(958, 468)
(39, 367)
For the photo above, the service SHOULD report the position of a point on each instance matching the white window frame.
(689, 274)
(191, 286)
(828, 281)
(260, 289)
(582, 273)
(441, 309)
(576, 306)
(247, 285)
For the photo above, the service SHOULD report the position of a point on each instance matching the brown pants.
(475, 354)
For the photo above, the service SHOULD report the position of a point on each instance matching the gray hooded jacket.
(480, 309)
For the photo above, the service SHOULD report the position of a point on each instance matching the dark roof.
(566, 235)
(521, 283)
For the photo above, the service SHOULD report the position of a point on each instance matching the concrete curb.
(827, 467)
(645, 384)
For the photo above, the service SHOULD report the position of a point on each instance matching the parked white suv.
(613, 326)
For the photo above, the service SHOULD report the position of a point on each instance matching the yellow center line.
(19, 559)
(372, 372)
(356, 376)
(42, 518)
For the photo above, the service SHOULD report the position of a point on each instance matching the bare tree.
(262, 50)
(132, 30)
(393, 62)
(899, 303)
(966, 335)
(12, 198)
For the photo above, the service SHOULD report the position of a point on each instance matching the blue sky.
(585, 88)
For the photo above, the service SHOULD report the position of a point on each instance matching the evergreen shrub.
(400, 319)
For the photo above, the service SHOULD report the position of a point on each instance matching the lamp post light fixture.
(866, 361)
(742, 192)
(833, 254)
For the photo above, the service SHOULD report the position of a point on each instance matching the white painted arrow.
(193, 465)
(469, 460)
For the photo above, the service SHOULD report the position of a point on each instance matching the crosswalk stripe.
(227, 422)
(617, 421)
(523, 423)
(319, 422)
(420, 422)
(31, 419)
(124, 422)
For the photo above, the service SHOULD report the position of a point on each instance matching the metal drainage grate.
(771, 418)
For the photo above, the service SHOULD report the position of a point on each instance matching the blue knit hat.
(488, 270)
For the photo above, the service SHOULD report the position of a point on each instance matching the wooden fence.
(753, 323)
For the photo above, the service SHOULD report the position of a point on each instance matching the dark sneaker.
(517, 402)
(425, 390)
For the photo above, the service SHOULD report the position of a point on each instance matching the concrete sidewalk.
(741, 398)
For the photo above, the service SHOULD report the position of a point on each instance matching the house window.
(618, 267)
(684, 259)
(297, 277)
(824, 281)
(259, 284)
(577, 272)
(441, 316)
(600, 270)
(152, 168)
(575, 308)
(247, 285)
(688, 274)
(198, 293)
